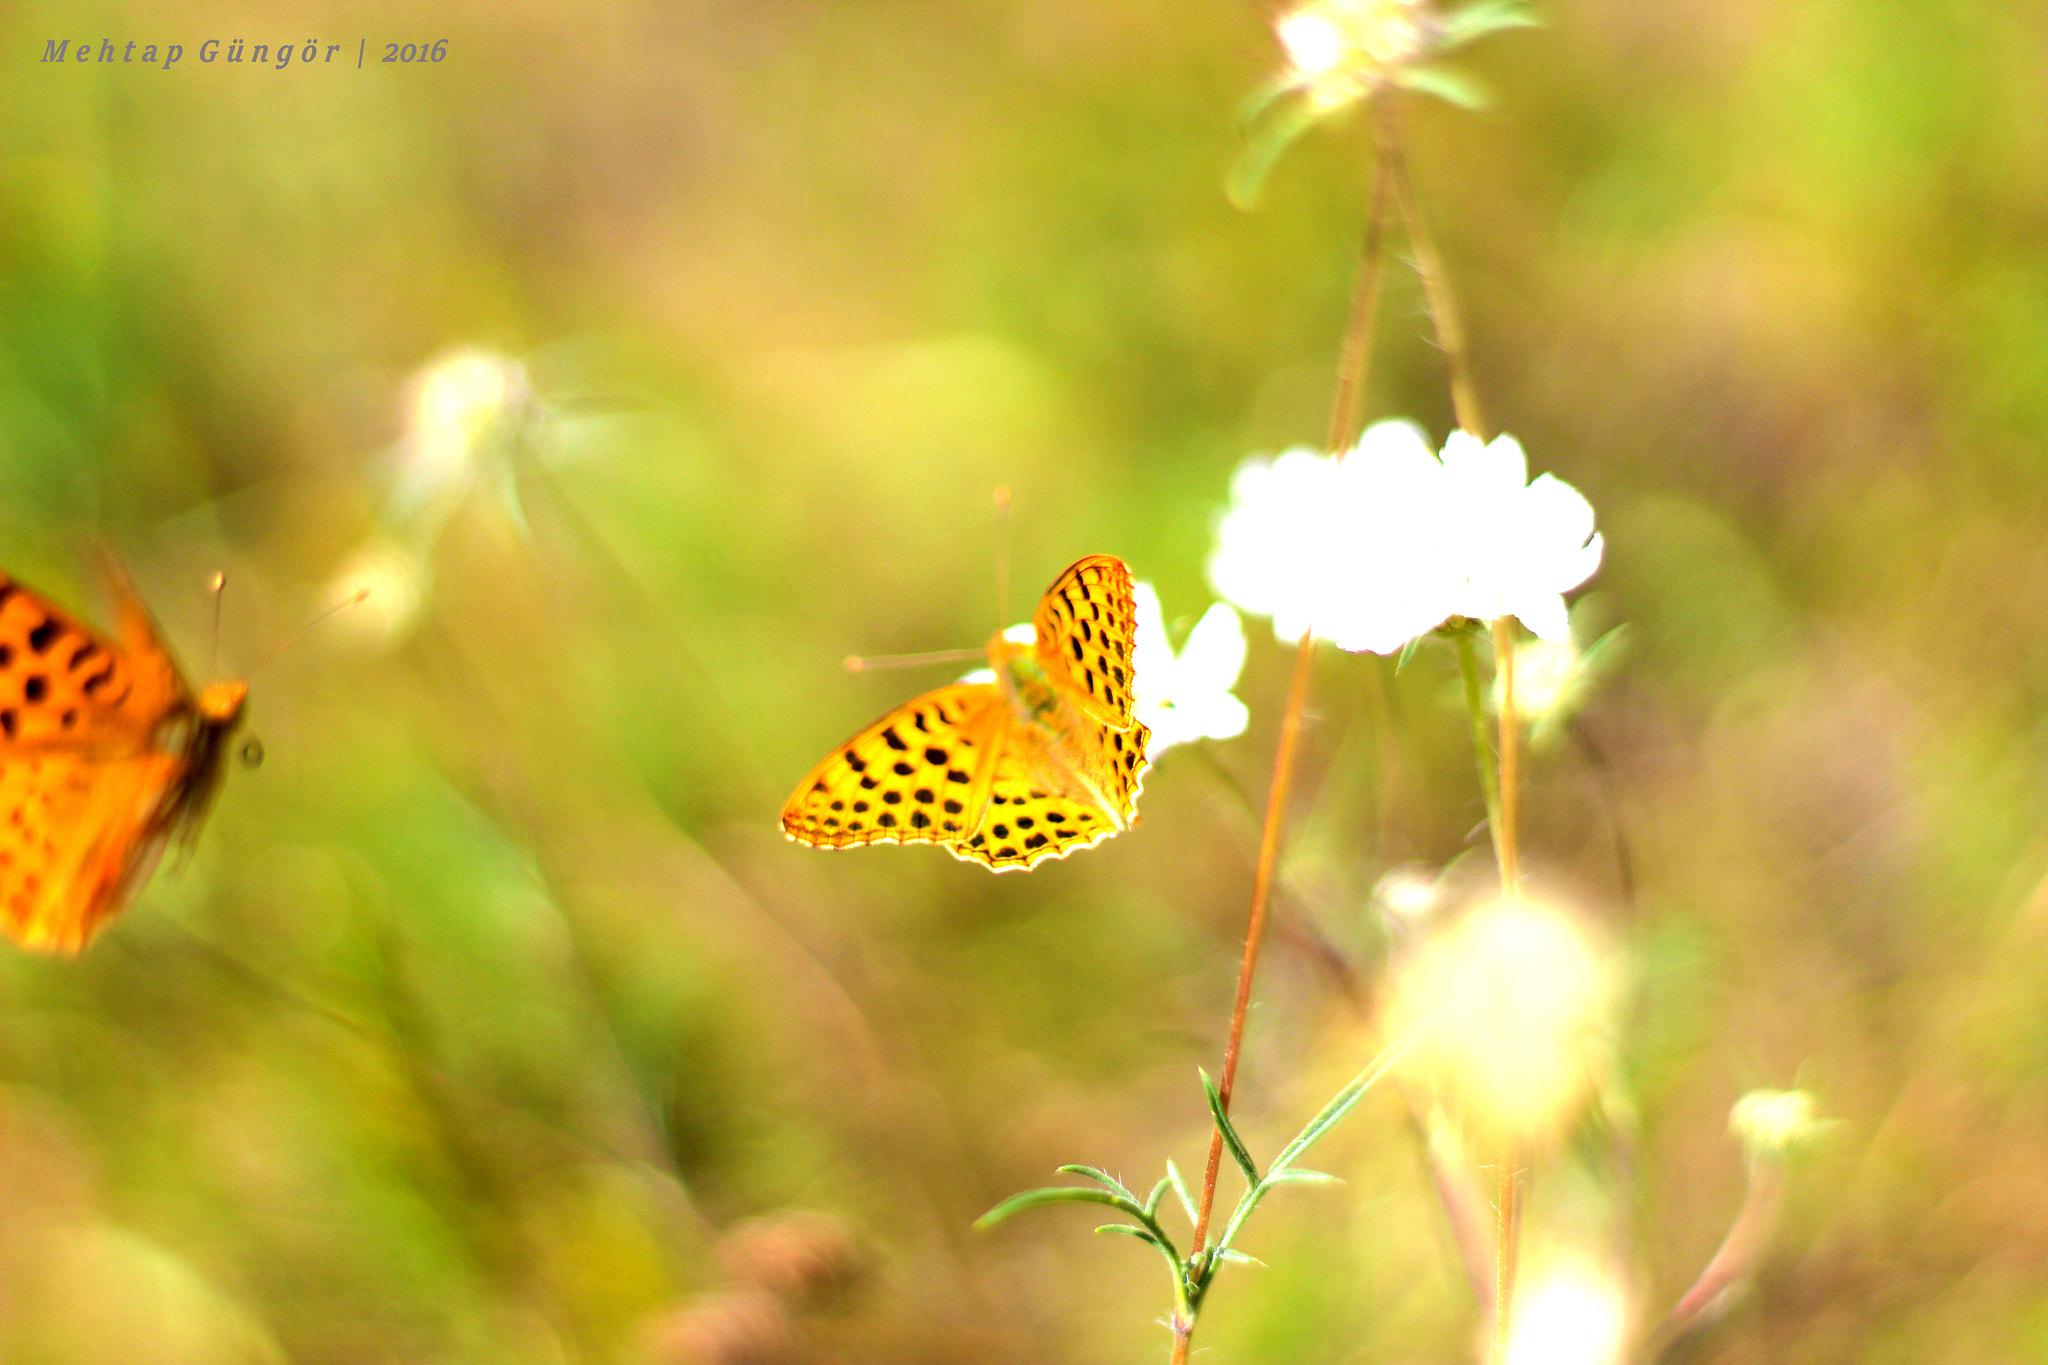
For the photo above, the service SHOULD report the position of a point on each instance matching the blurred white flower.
(1351, 548)
(392, 583)
(1773, 1122)
(1555, 678)
(1340, 52)
(1407, 895)
(1186, 696)
(1572, 1312)
(1513, 548)
(454, 409)
(1518, 999)
(1341, 49)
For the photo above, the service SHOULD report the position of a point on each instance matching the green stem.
(1482, 744)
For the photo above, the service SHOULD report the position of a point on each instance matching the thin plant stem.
(1443, 308)
(1450, 336)
(1353, 365)
(1733, 1262)
(1482, 744)
(1510, 753)
(1510, 1201)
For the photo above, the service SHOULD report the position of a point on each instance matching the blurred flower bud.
(809, 1260)
(1770, 1123)
(1343, 47)
(1510, 1006)
(1406, 895)
(733, 1327)
(1342, 51)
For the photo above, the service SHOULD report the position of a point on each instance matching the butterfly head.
(221, 703)
(213, 720)
(1023, 679)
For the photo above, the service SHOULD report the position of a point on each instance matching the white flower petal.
(1214, 654)
(1545, 616)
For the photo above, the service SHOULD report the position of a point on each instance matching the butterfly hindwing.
(1087, 624)
(1043, 805)
(77, 833)
(920, 774)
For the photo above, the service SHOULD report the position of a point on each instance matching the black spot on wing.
(43, 636)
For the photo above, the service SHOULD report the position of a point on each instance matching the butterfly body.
(105, 755)
(1045, 759)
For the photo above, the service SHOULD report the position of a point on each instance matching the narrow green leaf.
(1268, 94)
(1487, 16)
(1180, 1188)
(1446, 84)
(1126, 1230)
(1239, 1258)
(1295, 1175)
(1230, 1137)
(1158, 1193)
(1341, 1104)
(1054, 1194)
(1407, 653)
(1102, 1178)
(1274, 135)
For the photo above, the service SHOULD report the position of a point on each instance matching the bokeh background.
(493, 1019)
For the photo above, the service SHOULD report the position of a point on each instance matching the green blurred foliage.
(493, 1002)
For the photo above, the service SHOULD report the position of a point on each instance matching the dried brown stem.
(1353, 365)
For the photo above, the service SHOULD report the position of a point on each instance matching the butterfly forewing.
(920, 774)
(63, 684)
(1086, 624)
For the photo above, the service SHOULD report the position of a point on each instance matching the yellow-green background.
(494, 998)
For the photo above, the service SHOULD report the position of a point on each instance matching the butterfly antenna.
(1002, 556)
(869, 663)
(278, 646)
(217, 585)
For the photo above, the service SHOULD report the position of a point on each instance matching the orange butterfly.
(104, 755)
(1042, 761)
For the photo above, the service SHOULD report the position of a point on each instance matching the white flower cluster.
(1371, 550)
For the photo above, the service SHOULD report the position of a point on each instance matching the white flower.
(1773, 1122)
(1350, 548)
(1513, 548)
(1341, 49)
(1374, 550)
(1187, 696)
(1571, 1312)
(454, 408)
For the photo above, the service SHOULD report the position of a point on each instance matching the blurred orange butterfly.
(1042, 761)
(105, 754)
